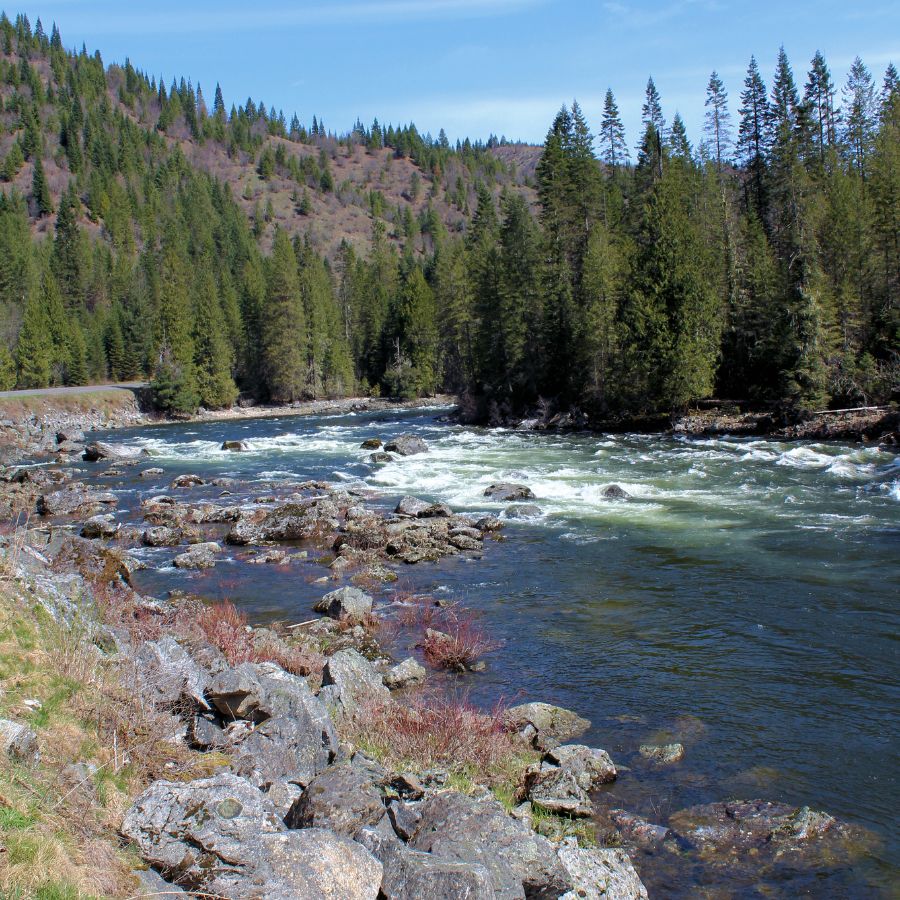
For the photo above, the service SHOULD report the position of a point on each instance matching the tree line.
(762, 264)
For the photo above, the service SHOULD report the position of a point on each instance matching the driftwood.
(834, 412)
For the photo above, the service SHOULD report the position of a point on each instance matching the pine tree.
(859, 114)
(34, 351)
(678, 139)
(718, 119)
(284, 325)
(76, 373)
(612, 133)
(651, 111)
(754, 134)
(212, 354)
(40, 189)
(819, 97)
(7, 369)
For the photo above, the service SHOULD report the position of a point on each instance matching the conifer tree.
(859, 114)
(651, 111)
(819, 97)
(284, 325)
(34, 351)
(612, 133)
(7, 369)
(718, 119)
(40, 189)
(212, 354)
(754, 134)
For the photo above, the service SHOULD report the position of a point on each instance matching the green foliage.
(7, 369)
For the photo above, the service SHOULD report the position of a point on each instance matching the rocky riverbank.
(879, 425)
(312, 759)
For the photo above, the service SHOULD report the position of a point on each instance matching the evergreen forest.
(147, 234)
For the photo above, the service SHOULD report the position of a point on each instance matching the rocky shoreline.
(317, 765)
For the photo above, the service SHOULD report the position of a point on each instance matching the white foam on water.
(804, 458)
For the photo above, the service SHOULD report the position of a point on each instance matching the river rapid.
(743, 602)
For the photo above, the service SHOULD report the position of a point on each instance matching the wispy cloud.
(120, 19)
(634, 15)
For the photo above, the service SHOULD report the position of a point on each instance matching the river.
(744, 601)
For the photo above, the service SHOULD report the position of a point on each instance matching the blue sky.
(475, 66)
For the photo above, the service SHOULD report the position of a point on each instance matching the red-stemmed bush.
(458, 643)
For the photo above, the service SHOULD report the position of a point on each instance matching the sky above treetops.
(475, 67)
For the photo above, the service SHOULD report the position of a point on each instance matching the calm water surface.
(744, 602)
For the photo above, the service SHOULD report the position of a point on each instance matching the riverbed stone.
(161, 536)
(522, 511)
(235, 446)
(520, 863)
(404, 675)
(74, 499)
(411, 506)
(638, 830)
(350, 681)
(615, 492)
(371, 444)
(662, 754)
(406, 445)
(341, 799)
(154, 472)
(558, 791)
(590, 766)
(504, 492)
(101, 526)
(348, 603)
(199, 556)
(101, 450)
(601, 874)
(187, 480)
(543, 724)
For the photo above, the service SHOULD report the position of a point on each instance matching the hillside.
(368, 179)
(148, 233)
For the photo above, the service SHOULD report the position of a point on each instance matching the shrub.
(459, 643)
(433, 730)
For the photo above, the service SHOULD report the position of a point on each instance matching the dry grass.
(459, 643)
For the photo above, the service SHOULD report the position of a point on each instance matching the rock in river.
(545, 725)
(664, 754)
(348, 603)
(235, 446)
(601, 874)
(614, 492)
(505, 492)
(100, 450)
(406, 445)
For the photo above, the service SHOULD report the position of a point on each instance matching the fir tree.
(284, 325)
(754, 134)
(859, 114)
(212, 354)
(34, 351)
(612, 133)
(40, 189)
(718, 119)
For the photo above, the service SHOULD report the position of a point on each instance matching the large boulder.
(315, 864)
(545, 725)
(169, 674)
(413, 875)
(404, 674)
(220, 836)
(505, 492)
(70, 436)
(590, 767)
(350, 681)
(205, 835)
(74, 499)
(341, 799)
(411, 506)
(161, 536)
(101, 450)
(601, 874)
(406, 445)
(558, 791)
(479, 832)
(235, 446)
(614, 492)
(18, 742)
(346, 603)
(199, 556)
(102, 526)
(291, 521)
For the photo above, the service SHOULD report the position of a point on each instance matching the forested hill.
(144, 231)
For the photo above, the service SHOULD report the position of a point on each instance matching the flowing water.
(743, 602)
